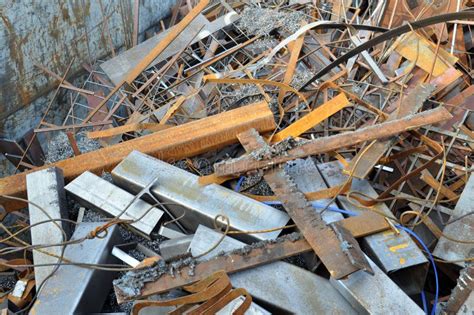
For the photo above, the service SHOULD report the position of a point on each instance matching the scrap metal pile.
(257, 157)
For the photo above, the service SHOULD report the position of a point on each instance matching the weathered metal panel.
(54, 32)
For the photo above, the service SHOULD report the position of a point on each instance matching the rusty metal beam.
(230, 263)
(328, 144)
(325, 240)
(251, 256)
(171, 144)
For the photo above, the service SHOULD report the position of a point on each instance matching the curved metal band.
(463, 15)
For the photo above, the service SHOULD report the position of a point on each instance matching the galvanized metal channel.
(46, 190)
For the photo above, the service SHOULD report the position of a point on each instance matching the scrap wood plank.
(332, 143)
(174, 143)
(325, 240)
(365, 160)
(313, 118)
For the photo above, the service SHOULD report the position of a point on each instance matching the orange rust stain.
(15, 44)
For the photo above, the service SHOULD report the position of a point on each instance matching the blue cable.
(317, 205)
(423, 299)
(430, 257)
(239, 183)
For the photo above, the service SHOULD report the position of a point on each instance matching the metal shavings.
(59, 148)
(258, 21)
(129, 237)
(135, 253)
(261, 45)
(301, 77)
(107, 176)
(7, 282)
(246, 94)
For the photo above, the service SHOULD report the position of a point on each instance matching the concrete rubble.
(248, 157)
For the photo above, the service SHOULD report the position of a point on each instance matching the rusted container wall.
(53, 32)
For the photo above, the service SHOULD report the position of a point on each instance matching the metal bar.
(397, 255)
(327, 144)
(74, 289)
(46, 189)
(93, 192)
(201, 204)
(370, 61)
(76, 126)
(174, 248)
(230, 263)
(280, 285)
(375, 294)
(325, 240)
(174, 143)
(462, 229)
